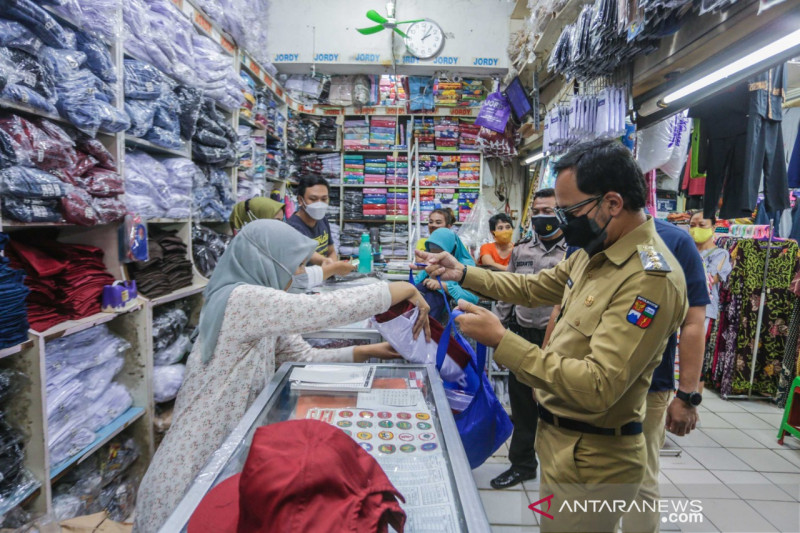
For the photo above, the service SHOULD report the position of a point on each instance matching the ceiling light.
(534, 158)
(778, 47)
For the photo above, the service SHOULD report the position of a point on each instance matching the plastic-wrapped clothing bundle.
(96, 149)
(32, 73)
(12, 458)
(141, 114)
(62, 64)
(79, 102)
(167, 380)
(114, 401)
(100, 183)
(83, 350)
(98, 57)
(25, 182)
(146, 190)
(27, 96)
(142, 81)
(174, 352)
(15, 35)
(167, 327)
(207, 248)
(191, 101)
(98, 17)
(11, 383)
(31, 210)
(109, 209)
(181, 176)
(97, 379)
(39, 21)
(68, 444)
(77, 208)
(33, 147)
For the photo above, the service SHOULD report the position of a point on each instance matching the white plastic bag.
(475, 230)
(398, 332)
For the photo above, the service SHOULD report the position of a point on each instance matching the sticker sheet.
(407, 446)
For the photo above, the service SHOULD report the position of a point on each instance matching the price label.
(203, 22)
(178, 3)
(255, 68)
(227, 45)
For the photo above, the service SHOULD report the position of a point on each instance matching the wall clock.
(425, 39)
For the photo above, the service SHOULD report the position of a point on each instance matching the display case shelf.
(103, 436)
(247, 122)
(30, 110)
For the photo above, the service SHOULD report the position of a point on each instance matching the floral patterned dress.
(260, 331)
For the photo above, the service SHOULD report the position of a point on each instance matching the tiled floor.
(745, 480)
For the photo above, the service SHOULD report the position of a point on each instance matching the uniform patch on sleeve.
(642, 312)
(569, 282)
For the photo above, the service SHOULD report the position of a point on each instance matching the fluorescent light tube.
(781, 45)
(534, 158)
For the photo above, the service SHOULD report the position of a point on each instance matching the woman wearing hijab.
(444, 240)
(250, 325)
(260, 207)
(254, 209)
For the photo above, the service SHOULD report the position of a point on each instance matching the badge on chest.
(642, 312)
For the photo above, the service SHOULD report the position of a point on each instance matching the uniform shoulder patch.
(642, 312)
(652, 260)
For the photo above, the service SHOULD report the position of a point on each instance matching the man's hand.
(381, 350)
(442, 265)
(681, 418)
(480, 324)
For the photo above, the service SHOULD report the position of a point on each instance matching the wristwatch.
(463, 275)
(691, 398)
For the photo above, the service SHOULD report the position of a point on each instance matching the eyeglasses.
(564, 215)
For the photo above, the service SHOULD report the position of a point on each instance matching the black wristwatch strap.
(463, 275)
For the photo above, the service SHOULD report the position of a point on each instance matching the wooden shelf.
(103, 436)
(195, 288)
(167, 220)
(147, 146)
(17, 348)
(74, 326)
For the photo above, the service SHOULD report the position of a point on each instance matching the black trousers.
(524, 413)
(765, 154)
(726, 177)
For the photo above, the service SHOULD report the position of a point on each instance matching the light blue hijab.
(265, 253)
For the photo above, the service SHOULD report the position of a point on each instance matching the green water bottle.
(365, 254)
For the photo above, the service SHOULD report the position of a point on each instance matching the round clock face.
(425, 39)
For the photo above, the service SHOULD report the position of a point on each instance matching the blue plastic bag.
(483, 425)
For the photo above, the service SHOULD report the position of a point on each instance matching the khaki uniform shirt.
(530, 257)
(618, 310)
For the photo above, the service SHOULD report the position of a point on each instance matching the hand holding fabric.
(480, 324)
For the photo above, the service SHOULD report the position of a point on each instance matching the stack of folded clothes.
(375, 170)
(397, 170)
(326, 134)
(168, 268)
(82, 397)
(302, 131)
(468, 135)
(382, 132)
(350, 238)
(473, 93)
(424, 132)
(49, 175)
(446, 134)
(207, 247)
(214, 141)
(334, 202)
(447, 170)
(158, 188)
(469, 170)
(213, 194)
(466, 201)
(447, 93)
(152, 105)
(428, 170)
(66, 280)
(13, 315)
(374, 204)
(356, 134)
(353, 204)
(353, 169)
(172, 340)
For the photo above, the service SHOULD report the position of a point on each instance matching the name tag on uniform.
(642, 312)
(569, 282)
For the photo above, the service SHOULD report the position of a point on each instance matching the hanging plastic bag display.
(494, 113)
(475, 230)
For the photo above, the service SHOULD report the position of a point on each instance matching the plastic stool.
(791, 413)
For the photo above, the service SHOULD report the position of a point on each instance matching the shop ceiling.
(306, 34)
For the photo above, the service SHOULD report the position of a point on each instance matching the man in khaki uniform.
(622, 296)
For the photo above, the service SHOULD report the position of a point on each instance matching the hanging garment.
(793, 173)
(745, 282)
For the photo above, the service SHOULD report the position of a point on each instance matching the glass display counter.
(399, 415)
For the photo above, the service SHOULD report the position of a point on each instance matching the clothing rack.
(759, 322)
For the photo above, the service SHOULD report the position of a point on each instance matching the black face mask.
(584, 232)
(545, 225)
